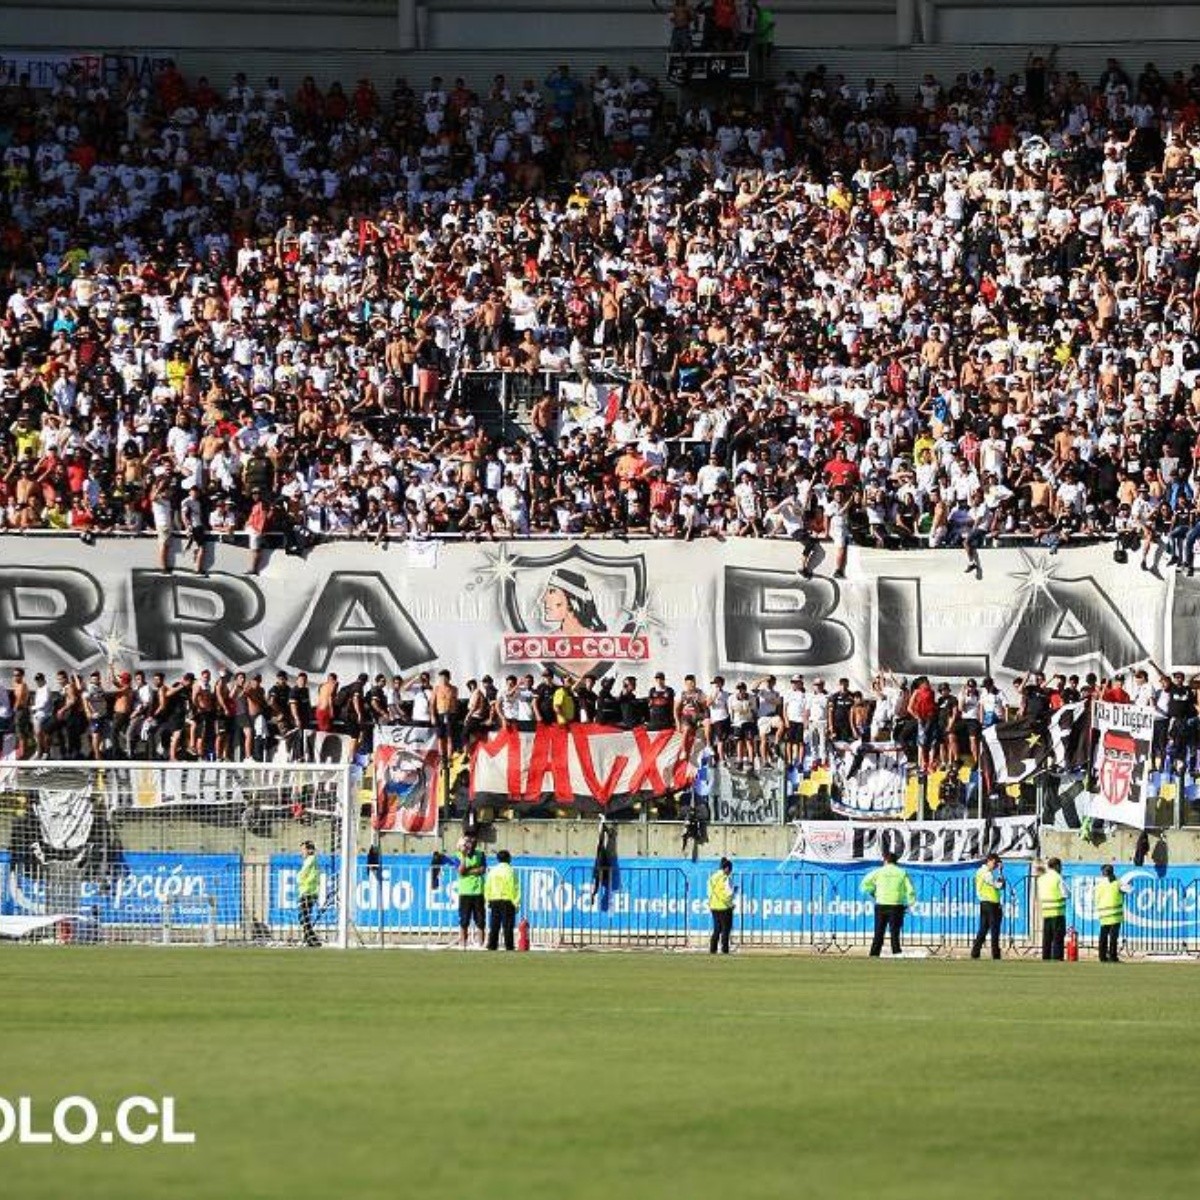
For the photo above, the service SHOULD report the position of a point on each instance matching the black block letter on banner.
(217, 609)
(777, 619)
(52, 603)
(901, 636)
(358, 611)
(1071, 620)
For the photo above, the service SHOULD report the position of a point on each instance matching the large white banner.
(740, 608)
(916, 841)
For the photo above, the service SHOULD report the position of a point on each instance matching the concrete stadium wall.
(523, 25)
(903, 67)
(568, 838)
(1061, 22)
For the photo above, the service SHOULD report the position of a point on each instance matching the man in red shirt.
(922, 707)
(841, 471)
(1114, 691)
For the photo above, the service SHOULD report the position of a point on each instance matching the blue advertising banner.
(134, 894)
(664, 896)
(1161, 905)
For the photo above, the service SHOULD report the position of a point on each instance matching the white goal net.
(202, 853)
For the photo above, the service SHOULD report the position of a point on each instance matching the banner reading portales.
(933, 842)
(740, 608)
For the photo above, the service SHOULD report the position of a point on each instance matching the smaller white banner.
(869, 780)
(916, 841)
(743, 798)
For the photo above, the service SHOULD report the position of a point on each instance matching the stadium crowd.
(222, 715)
(931, 319)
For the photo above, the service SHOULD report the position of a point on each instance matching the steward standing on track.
(1109, 896)
(308, 885)
(1052, 897)
(989, 889)
(502, 890)
(472, 867)
(893, 892)
(721, 892)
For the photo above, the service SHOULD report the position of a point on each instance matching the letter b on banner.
(777, 619)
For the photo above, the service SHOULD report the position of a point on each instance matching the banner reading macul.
(740, 608)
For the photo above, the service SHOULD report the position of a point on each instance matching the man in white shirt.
(767, 706)
(716, 722)
(795, 717)
(818, 722)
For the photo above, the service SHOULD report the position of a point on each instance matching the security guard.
(472, 867)
(892, 891)
(1109, 896)
(721, 892)
(989, 887)
(308, 885)
(1052, 898)
(502, 890)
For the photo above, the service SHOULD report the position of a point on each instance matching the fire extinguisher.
(523, 934)
(1072, 946)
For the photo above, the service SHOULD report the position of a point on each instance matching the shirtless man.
(22, 700)
(226, 715)
(256, 728)
(445, 709)
(124, 701)
(326, 695)
(204, 715)
(479, 712)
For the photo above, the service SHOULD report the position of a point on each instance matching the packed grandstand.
(936, 320)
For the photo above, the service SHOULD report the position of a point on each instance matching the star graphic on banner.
(110, 644)
(500, 568)
(1037, 574)
(641, 616)
(1033, 739)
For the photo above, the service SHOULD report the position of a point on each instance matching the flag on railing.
(869, 779)
(407, 765)
(582, 766)
(1023, 748)
(1124, 743)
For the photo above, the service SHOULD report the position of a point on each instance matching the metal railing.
(650, 907)
(642, 908)
(806, 910)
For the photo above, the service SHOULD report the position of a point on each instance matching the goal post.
(199, 853)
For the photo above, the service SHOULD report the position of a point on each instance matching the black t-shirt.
(303, 702)
(1179, 700)
(343, 703)
(585, 704)
(840, 704)
(278, 698)
(543, 702)
(608, 709)
(947, 708)
(660, 708)
(632, 709)
(1037, 701)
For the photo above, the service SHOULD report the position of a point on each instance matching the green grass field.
(618, 1076)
